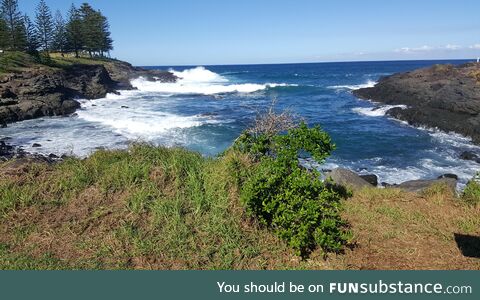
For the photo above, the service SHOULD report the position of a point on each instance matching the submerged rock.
(468, 155)
(448, 175)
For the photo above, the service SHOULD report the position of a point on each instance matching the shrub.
(471, 194)
(288, 198)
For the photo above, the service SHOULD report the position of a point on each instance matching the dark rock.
(124, 106)
(51, 155)
(443, 96)
(370, 178)
(448, 175)
(422, 185)
(36, 145)
(7, 93)
(386, 184)
(5, 150)
(347, 178)
(468, 155)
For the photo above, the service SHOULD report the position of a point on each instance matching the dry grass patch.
(399, 230)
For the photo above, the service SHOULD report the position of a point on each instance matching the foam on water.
(369, 83)
(379, 111)
(200, 81)
(137, 120)
(442, 159)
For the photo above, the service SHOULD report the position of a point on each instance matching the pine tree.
(32, 41)
(44, 25)
(60, 34)
(74, 31)
(14, 24)
(3, 34)
(91, 29)
(107, 42)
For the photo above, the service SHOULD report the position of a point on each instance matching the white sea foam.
(369, 83)
(140, 122)
(198, 74)
(200, 81)
(379, 111)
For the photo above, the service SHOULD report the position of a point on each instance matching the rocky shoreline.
(427, 93)
(44, 91)
(446, 97)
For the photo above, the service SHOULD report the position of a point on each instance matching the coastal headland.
(446, 97)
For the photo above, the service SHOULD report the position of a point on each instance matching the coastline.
(36, 90)
(442, 96)
(123, 107)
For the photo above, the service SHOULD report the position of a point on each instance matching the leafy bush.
(290, 199)
(471, 194)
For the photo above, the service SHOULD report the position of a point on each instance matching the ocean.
(210, 106)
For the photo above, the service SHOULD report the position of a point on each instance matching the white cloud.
(426, 48)
(453, 47)
(418, 49)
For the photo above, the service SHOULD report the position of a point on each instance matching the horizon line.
(317, 62)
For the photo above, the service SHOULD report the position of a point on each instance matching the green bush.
(288, 198)
(471, 194)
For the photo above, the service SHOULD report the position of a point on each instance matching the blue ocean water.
(210, 106)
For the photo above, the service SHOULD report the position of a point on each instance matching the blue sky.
(203, 32)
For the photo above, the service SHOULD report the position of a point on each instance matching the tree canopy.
(82, 30)
(15, 33)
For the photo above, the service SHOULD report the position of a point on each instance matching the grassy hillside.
(15, 61)
(159, 208)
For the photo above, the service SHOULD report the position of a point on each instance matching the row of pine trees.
(84, 30)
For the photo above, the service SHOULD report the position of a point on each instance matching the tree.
(3, 34)
(107, 42)
(14, 24)
(96, 31)
(44, 25)
(74, 31)
(59, 33)
(92, 32)
(32, 41)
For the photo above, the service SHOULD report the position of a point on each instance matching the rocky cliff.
(443, 96)
(48, 91)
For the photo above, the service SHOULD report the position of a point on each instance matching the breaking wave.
(376, 111)
(369, 83)
(200, 81)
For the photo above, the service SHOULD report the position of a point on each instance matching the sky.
(209, 32)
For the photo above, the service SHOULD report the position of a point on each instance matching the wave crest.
(200, 81)
(376, 111)
(369, 83)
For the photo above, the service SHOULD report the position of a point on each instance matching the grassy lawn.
(158, 208)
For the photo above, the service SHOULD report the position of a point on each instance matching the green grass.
(471, 193)
(147, 207)
(16, 61)
(169, 208)
(13, 61)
